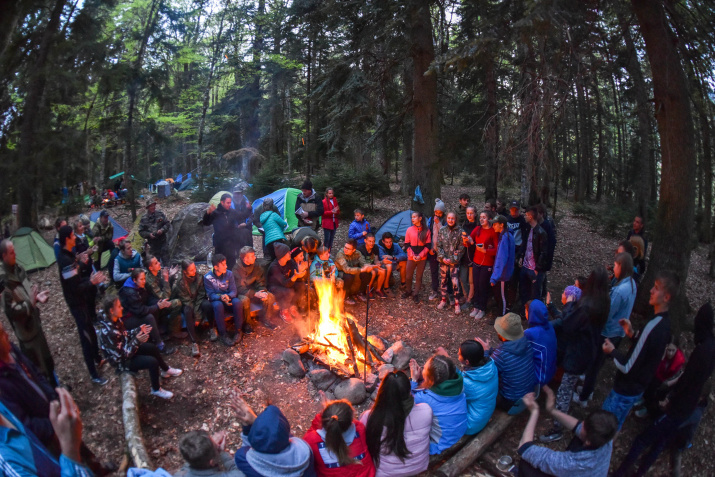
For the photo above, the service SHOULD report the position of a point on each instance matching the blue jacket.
(515, 362)
(268, 448)
(449, 412)
(357, 228)
(217, 286)
(504, 262)
(396, 252)
(481, 386)
(273, 226)
(623, 295)
(542, 337)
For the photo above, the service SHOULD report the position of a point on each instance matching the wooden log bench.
(466, 451)
(132, 426)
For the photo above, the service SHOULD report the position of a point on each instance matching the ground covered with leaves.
(255, 368)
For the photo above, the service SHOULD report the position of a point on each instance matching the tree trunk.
(253, 90)
(425, 161)
(601, 147)
(673, 241)
(491, 133)
(707, 169)
(406, 184)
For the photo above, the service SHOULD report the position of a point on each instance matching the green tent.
(216, 199)
(32, 252)
(284, 200)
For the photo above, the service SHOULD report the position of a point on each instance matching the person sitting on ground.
(542, 337)
(157, 284)
(221, 292)
(587, 455)
(681, 403)
(379, 273)
(190, 290)
(308, 205)
(251, 283)
(323, 267)
(205, 456)
(392, 258)
(285, 281)
(442, 387)
(135, 299)
(273, 227)
(578, 331)
(515, 362)
(125, 262)
(666, 376)
(130, 350)
(397, 430)
(359, 228)
(27, 394)
(268, 446)
(418, 243)
(503, 262)
(635, 369)
(338, 442)
(450, 248)
(354, 271)
(22, 454)
(462, 209)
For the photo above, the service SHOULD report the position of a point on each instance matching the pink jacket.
(417, 429)
(413, 244)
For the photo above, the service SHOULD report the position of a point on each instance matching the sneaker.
(362, 297)
(286, 316)
(167, 350)
(642, 412)
(406, 294)
(227, 341)
(213, 334)
(100, 381)
(247, 329)
(171, 372)
(457, 309)
(349, 301)
(265, 322)
(295, 313)
(480, 314)
(162, 393)
(416, 298)
(195, 350)
(474, 312)
(380, 294)
(388, 293)
(442, 305)
(552, 435)
(577, 400)
(433, 296)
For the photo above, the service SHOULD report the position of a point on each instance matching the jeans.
(412, 267)
(87, 339)
(620, 405)
(148, 357)
(236, 308)
(329, 236)
(655, 438)
(529, 285)
(482, 289)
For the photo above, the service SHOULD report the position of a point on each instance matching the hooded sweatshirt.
(515, 362)
(449, 412)
(270, 451)
(273, 226)
(481, 386)
(504, 261)
(542, 337)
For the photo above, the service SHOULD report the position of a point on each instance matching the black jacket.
(74, 277)
(225, 224)
(578, 340)
(550, 229)
(312, 204)
(541, 247)
(134, 300)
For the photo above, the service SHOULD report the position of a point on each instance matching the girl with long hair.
(418, 242)
(485, 252)
(398, 429)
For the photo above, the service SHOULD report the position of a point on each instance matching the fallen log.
(472, 450)
(132, 426)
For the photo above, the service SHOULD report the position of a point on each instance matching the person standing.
(536, 252)
(486, 241)
(503, 262)
(226, 222)
(20, 299)
(273, 227)
(153, 228)
(418, 243)
(462, 209)
(79, 286)
(550, 228)
(639, 230)
(331, 217)
(466, 271)
(435, 223)
(308, 206)
(449, 253)
(244, 211)
(102, 235)
(520, 230)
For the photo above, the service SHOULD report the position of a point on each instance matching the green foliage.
(270, 178)
(353, 187)
(214, 182)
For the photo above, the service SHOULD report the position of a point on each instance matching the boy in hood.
(542, 337)
(268, 447)
(515, 362)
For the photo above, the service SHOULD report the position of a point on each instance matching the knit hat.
(509, 327)
(281, 250)
(439, 205)
(65, 231)
(295, 252)
(573, 291)
(307, 185)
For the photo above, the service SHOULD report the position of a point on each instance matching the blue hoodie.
(542, 337)
(270, 451)
(623, 296)
(504, 261)
(449, 412)
(515, 362)
(481, 386)
(216, 286)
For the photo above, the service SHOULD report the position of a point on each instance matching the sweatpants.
(419, 268)
(501, 295)
(148, 357)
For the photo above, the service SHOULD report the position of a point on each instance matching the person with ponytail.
(398, 429)
(338, 442)
(418, 244)
(442, 387)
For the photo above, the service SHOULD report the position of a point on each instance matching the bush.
(353, 188)
(270, 178)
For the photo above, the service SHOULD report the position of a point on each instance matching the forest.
(599, 102)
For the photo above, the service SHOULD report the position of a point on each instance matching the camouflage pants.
(447, 273)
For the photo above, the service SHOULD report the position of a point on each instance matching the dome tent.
(31, 250)
(397, 225)
(284, 200)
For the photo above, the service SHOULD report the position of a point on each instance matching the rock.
(377, 342)
(401, 355)
(295, 365)
(322, 378)
(373, 396)
(351, 389)
(384, 370)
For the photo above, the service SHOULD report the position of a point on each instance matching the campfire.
(337, 341)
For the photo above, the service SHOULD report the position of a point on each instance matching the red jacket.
(325, 461)
(330, 220)
(490, 239)
(413, 244)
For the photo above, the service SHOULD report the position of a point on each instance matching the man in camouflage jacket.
(154, 228)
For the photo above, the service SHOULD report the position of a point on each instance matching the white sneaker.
(577, 399)
(171, 372)
(433, 296)
(162, 393)
(480, 314)
(457, 308)
(442, 305)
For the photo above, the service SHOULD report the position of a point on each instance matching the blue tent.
(119, 231)
(281, 198)
(179, 178)
(187, 184)
(397, 225)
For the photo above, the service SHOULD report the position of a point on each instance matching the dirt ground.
(255, 367)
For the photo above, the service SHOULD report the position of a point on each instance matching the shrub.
(269, 178)
(354, 188)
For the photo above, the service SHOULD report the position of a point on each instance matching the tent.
(217, 198)
(284, 200)
(188, 238)
(187, 184)
(397, 225)
(163, 189)
(32, 252)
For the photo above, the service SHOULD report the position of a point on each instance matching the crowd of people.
(476, 256)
